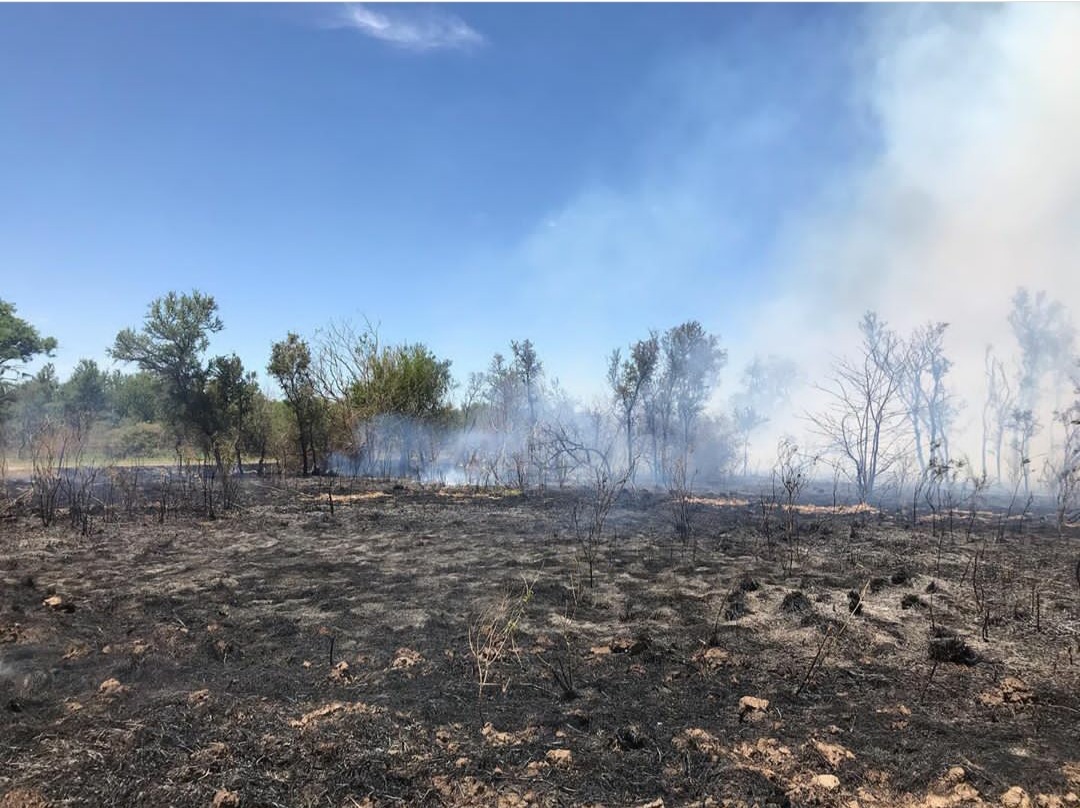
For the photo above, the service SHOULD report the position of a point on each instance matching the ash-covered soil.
(284, 656)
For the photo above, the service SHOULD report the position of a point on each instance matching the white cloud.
(412, 29)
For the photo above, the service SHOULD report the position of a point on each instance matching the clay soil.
(285, 656)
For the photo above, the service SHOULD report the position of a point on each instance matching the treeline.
(885, 421)
(349, 404)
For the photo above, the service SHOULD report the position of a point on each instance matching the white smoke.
(976, 191)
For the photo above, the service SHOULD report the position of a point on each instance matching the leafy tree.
(404, 399)
(290, 365)
(84, 395)
(407, 380)
(175, 334)
(204, 401)
(694, 361)
(230, 395)
(34, 403)
(19, 343)
(266, 428)
(503, 394)
(133, 396)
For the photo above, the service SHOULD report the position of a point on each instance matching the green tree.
(694, 361)
(290, 365)
(502, 394)
(264, 429)
(133, 396)
(174, 336)
(229, 403)
(407, 380)
(84, 395)
(407, 393)
(204, 401)
(19, 343)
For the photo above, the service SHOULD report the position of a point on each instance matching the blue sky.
(466, 175)
(462, 175)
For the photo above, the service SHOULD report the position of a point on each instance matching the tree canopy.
(406, 380)
(19, 343)
(175, 334)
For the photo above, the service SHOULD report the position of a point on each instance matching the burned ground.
(284, 655)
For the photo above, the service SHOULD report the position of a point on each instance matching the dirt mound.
(833, 754)
(1011, 690)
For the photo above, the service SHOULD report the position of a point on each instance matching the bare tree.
(590, 457)
(793, 470)
(1024, 426)
(342, 355)
(1062, 470)
(862, 422)
(746, 420)
(923, 392)
(996, 412)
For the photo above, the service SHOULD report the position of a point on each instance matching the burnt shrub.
(735, 606)
(795, 603)
(901, 576)
(747, 583)
(947, 646)
(912, 601)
